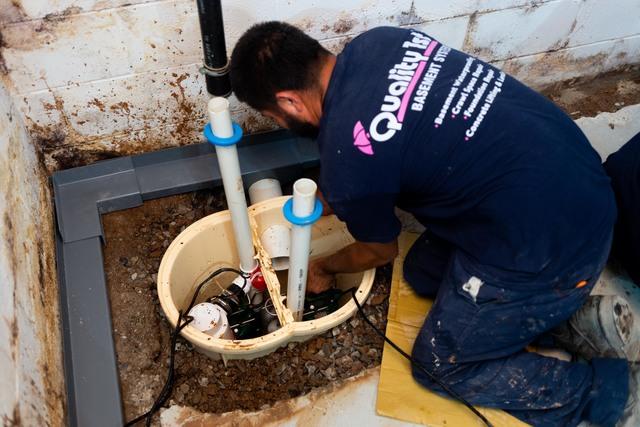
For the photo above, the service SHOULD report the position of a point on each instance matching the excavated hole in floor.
(137, 238)
(135, 242)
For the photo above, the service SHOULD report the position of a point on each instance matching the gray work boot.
(631, 415)
(604, 326)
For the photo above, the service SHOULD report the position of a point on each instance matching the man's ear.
(290, 102)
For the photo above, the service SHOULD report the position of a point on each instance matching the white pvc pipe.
(264, 189)
(222, 127)
(276, 240)
(304, 198)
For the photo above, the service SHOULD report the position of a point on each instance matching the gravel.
(136, 239)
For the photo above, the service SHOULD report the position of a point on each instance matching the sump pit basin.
(209, 244)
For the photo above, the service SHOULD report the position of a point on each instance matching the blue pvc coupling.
(223, 142)
(287, 210)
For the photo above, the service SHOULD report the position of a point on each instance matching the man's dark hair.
(274, 56)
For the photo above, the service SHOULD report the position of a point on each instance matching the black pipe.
(216, 64)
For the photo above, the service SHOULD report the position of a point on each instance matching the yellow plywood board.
(399, 395)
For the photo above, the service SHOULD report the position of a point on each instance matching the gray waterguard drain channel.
(82, 195)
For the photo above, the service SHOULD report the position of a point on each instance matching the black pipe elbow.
(216, 63)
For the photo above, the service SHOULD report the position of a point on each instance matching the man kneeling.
(518, 208)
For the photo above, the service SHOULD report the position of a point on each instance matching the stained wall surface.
(31, 381)
(83, 80)
(100, 78)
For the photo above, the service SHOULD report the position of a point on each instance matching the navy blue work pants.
(623, 167)
(475, 335)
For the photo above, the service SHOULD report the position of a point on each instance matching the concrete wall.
(31, 382)
(100, 78)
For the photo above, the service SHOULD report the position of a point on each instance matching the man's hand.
(356, 257)
(318, 279)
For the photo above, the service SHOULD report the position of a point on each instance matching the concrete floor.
(349, 404)
(609, 131)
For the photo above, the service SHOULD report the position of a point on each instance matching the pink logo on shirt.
(403, 78)
(361, 139)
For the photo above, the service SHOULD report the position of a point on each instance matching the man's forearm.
(359, 257)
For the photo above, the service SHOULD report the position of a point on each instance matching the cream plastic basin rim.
(208, 244)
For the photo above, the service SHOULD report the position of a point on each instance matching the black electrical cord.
(418, 365)
(180, 325)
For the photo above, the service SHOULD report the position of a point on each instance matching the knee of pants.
(420, 358)
(423, 353)
(422, 378)
(425, 264)
(411, 265)
(421, 283)
(440, 369)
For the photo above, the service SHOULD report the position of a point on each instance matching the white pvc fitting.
(220, 117)
(276, 240)
(211, 319)
(264, 189)
(222, 127)
(304, 198)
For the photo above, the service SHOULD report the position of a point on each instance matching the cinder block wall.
(31, 381)
(100, 78)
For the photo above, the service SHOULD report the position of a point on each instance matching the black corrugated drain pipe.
(216, 64)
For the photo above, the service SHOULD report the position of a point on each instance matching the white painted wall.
(98, 78)
(31, 385)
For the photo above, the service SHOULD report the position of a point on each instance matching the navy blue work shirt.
(483, 161)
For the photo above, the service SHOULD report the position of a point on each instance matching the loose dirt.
(135, 242)
(589, 96)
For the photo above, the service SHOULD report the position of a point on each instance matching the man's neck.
(325, 78)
